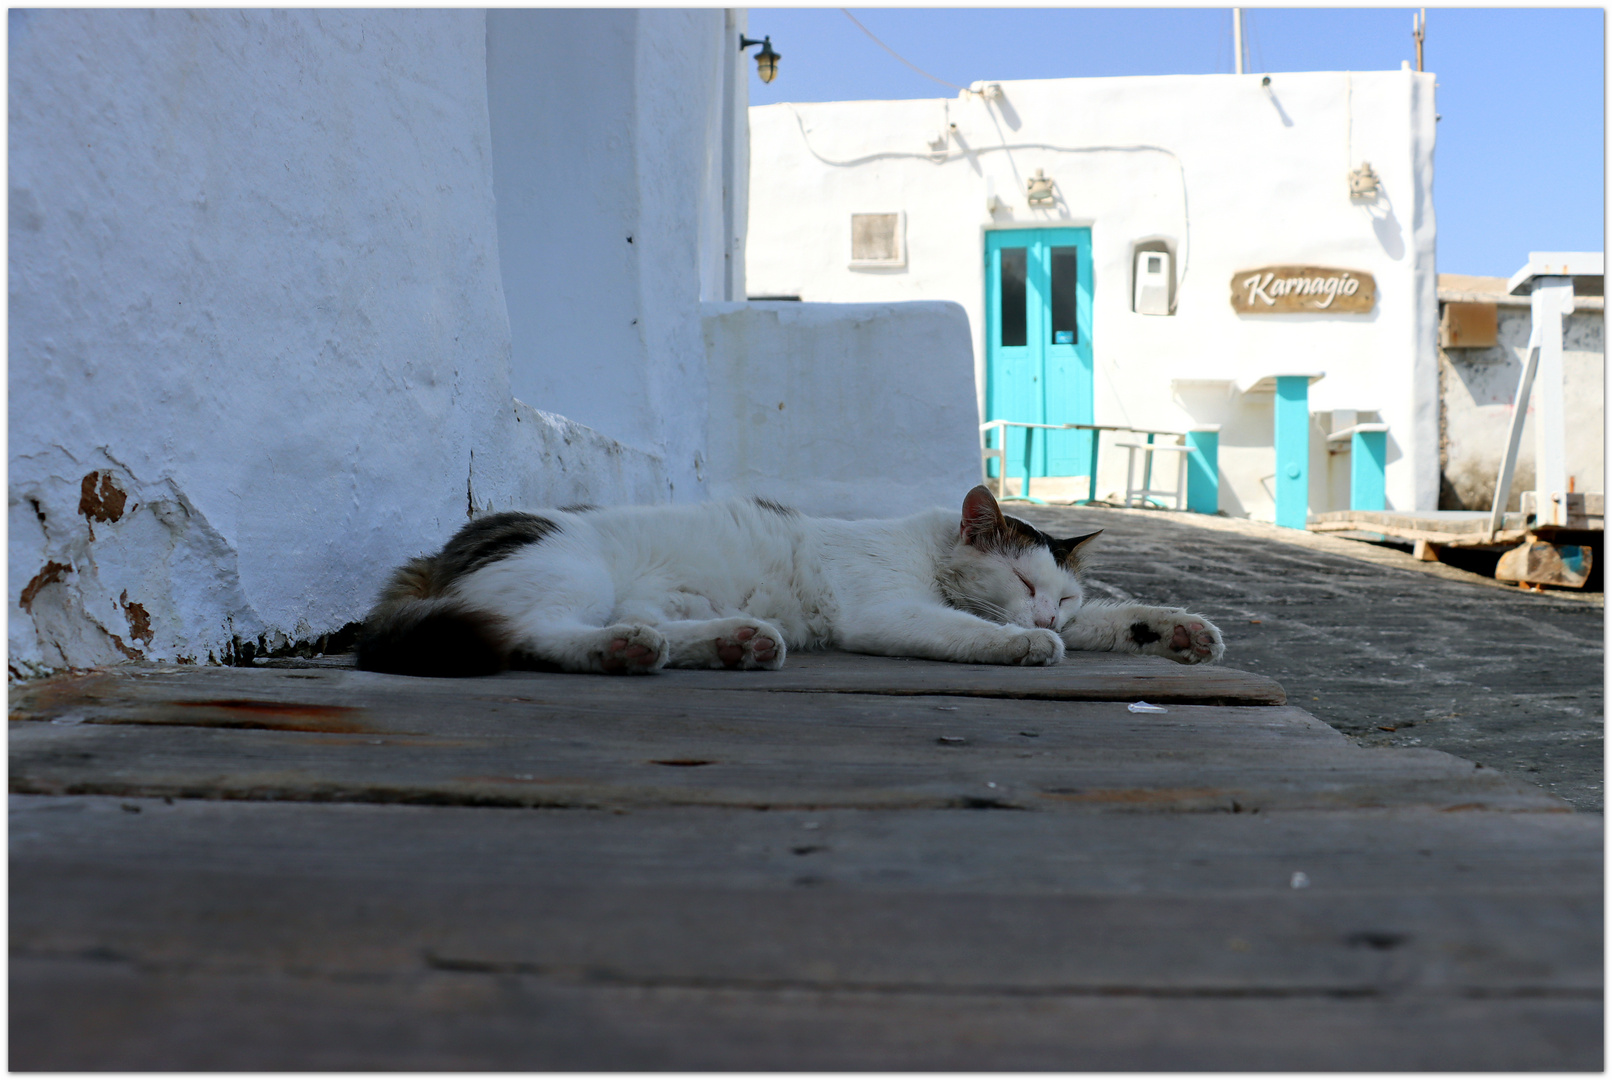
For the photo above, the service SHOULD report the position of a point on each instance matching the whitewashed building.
(1123, 246)
(294, 293)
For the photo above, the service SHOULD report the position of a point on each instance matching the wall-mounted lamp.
(766, 59)
(1363, 182)
(1038, 190)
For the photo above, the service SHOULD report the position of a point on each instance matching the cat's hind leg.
(560, 611)
(1172, 633)
(743, 644)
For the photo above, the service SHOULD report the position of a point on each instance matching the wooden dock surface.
(852, 863)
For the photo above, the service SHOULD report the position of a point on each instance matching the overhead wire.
(898, 56)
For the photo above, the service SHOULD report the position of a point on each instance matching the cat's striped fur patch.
(417, 628)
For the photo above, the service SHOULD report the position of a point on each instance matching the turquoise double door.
(1038, 366)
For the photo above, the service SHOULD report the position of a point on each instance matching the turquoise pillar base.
(1292, 439)
(1203, 472)
(1368, 483)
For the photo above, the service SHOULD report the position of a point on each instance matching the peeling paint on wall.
(128, 569)
(100, 498)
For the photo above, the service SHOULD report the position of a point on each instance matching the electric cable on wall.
(940, 159)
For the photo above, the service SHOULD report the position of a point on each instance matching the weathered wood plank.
(365, 892)
(1081, 677)
(531, 741)
(230, 935)
(838, 750)
(452, 1021)
(354, 702)
(1413, 850)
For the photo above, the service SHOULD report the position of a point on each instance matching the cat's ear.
(1066, 551)
(982, 518)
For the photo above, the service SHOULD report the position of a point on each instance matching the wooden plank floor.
(853, 863)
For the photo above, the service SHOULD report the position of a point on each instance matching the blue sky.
(1520, 158)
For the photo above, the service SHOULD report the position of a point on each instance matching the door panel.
(1013, 380)
(1039, 359)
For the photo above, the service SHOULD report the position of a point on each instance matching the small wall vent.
(878, 240)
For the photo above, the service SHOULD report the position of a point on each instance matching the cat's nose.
(1046, 621)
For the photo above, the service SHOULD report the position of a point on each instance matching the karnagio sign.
(1285, 290)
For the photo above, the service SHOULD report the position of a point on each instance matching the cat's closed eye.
(1026, 581)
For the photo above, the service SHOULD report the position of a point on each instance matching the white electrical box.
(1155, 273)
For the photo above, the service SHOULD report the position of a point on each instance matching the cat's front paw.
(627, 649)
(1036, 648)
(1178, 635)
(751, 646)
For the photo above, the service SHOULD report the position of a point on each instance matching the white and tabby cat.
(737, 584)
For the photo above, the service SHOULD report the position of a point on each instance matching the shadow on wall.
(1385, 223)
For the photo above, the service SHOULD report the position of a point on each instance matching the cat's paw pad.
(749, 647)
(1180, 636)
(630, 650)
(1038, 648)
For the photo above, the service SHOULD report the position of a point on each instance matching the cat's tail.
(415, 629)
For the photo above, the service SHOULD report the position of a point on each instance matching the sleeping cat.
(739, 584)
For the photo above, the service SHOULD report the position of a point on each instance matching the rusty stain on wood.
(271, 716)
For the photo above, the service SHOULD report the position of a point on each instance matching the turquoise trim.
(1203, 472)
(1292, 438)
(1368, 471)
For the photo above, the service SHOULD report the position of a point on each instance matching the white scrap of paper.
(1301, 880)
(1142, 706)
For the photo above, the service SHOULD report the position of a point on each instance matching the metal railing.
(1000, 453)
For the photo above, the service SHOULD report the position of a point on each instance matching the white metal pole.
(1519, 414)
(1237, 36)
(1552, 298)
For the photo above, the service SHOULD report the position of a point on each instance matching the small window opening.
(1012, 320)
(878, 240)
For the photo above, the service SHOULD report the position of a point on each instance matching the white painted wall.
(256, 290)
(295, 293)
(1234, 175)
(608, 249)
(253, 261)
(843, 410)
